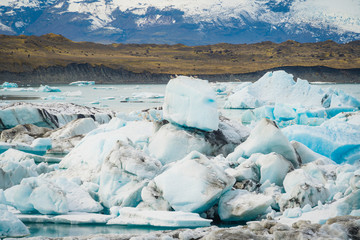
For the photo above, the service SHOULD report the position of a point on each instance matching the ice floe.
(82, 83)
(133, 216)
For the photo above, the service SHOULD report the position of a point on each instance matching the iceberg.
(12, 172)
(10, 225)
(337, 138)
(46, 88)
(207, 180)
(51, 115)
(122, 174)
(279, 87)
(172, 143)
(188, 100)
(165, 144)
(265, 138)
(90, 152)
(241, 205)
(133, 216)
(50, 196)
(147, 95)
(82, 83)
(273, 168)
(8, 85)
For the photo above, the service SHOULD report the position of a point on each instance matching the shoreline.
(105, 75)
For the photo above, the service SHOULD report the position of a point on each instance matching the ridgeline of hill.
(54, 59)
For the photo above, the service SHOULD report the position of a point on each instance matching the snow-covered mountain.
(184, 21)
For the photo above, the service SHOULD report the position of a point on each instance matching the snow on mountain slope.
(185, 21)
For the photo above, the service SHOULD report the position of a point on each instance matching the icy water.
(64, 230)
(113, 97)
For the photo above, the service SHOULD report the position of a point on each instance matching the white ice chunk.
(279, 87)
(172, 143)
(193, 184)
(73, 128)
(265, 138)
(241, 205)
(191, 102)
(46, 88)
(78, 199)
(82, 83)
(273, 167)
(9, 85)
(122, 174)
(134, 216)
(307, 155)
(10, 225)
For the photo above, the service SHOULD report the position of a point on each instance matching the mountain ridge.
(50, 54)
(188, 22)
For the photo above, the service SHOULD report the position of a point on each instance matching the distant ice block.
(82, 83)
(133, 216)
(52, 115)
(147, 95)
(194, 183)
(191, 102)
(10, 225)
(46, 88)
(280, 87)
(53, 97)
(9, 85)
(265, 138)
(241, 205)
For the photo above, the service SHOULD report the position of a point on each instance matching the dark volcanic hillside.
(53, 58)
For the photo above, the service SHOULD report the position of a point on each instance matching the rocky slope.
(55, 59)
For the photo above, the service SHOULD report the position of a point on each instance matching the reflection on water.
(65, 230)
(17, 97)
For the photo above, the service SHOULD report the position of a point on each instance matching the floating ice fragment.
(133, 216)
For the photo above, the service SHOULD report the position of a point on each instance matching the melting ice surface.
(296, 159)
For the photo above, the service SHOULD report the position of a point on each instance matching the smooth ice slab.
(194, 183)
(133, 216)
(191, 102)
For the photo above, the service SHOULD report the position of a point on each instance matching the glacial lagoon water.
(119, 98)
